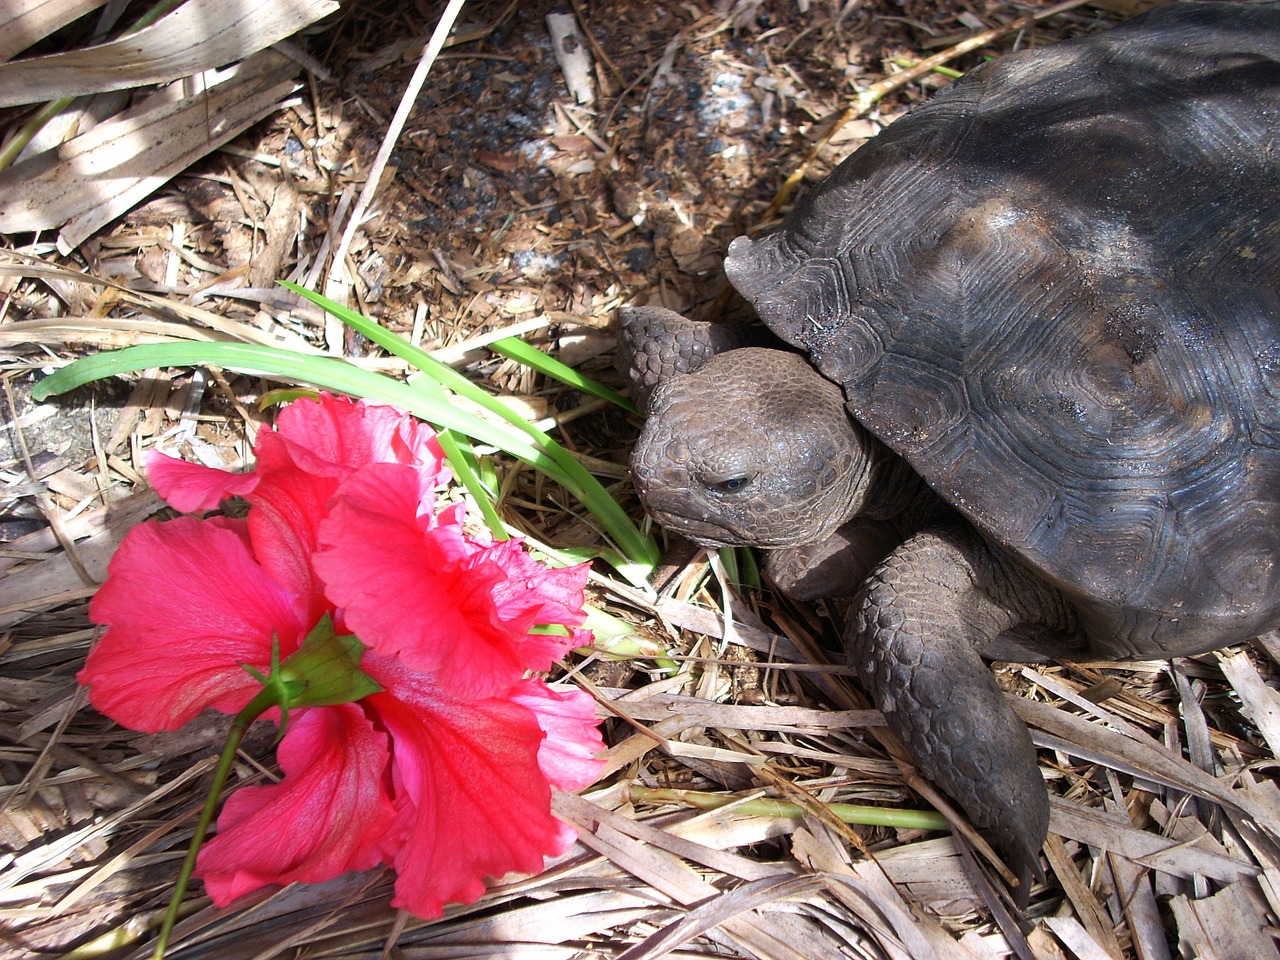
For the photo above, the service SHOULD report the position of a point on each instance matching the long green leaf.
(326, 372)
(639, 552)
(638, 548)
(462, 458)
(516, 349)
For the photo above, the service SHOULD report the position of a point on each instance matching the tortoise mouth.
(716, 534)
(704, 533)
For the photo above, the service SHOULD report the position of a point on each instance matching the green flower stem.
(266, 698)
(763, 807)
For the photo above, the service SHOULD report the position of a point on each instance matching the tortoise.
(1027, 399)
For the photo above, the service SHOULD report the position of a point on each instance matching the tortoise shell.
(1053, 289)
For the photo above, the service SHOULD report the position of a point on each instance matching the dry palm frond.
(114, 153)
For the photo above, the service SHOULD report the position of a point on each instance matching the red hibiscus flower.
(446, 772)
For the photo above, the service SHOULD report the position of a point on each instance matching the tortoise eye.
(731, 485)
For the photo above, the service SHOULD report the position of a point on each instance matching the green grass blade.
(462, 459)
(516, 349)
(325, 372)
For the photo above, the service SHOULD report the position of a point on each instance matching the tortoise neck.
(895, 491)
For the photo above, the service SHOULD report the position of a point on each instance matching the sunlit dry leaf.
(796, 720)
(22, 24)
(1113, 834)
(932, 871)
(867, 890)
(1222, 927)
(1090, 936)
(94, 178)
(1070, 932)
(199, 35)
(24, 592)
(780, 937)
(555, 920)
(120, 332)
(1146, 926)
(611, 835)
(1134, 753)
(1260, 837)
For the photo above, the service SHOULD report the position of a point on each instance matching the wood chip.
(572, 54)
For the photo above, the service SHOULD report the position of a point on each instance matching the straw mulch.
(508, 206)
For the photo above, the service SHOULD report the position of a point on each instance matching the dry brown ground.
(508, 206)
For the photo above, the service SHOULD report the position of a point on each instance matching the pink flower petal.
(568, 756)
(533, 593)
(328, 816)
(440, 602)
(332, 436)
(184, 605)
(285, 513)
(318, 443)
(473, 800)
(402, 595)
(190, 487)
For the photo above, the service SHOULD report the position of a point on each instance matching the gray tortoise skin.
(1044, 312)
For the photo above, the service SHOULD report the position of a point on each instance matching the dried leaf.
(24, 591)
(1222, 927)
(1258, 702)
(612, 835)
(1093, 938)
(1146, 926)
(1135, 753)
(199, 35)
(1106, 831)
(24, 23)
(795, 720)
(99, 175)
(1077, 939)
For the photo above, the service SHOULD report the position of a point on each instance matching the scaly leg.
(921, 623)
(655, 343)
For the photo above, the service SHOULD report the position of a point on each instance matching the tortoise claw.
(1023, 854)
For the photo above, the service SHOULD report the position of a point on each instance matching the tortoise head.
(754, 447)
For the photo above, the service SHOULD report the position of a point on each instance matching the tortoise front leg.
(921, 622)
(834, 567)
(655, 343)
